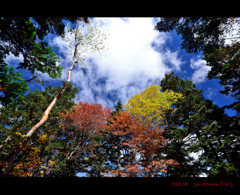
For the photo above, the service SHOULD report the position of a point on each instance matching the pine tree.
(196, 125)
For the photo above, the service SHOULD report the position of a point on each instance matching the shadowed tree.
(209, 34)
(197, 125)
(90, 39)
(41, 145)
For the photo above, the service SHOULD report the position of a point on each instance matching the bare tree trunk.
(15, 152)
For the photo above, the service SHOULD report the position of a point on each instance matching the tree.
(136, 134)
(20, 36)
(107, 152)
(40, 149)
(77, 129)
(208, 34)
(152, 104)
(138, 148)
(12, 85)
(118, 107)
(197, 125)
(225, 66)
(25, 36)
(197, 32)
(80, 40)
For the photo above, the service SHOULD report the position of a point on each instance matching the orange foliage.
(87, 117)
(147, 143)
(32, 161)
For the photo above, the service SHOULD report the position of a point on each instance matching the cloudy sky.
(137, 57)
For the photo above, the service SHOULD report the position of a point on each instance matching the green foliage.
(229, 168)
(118, 107)
(25, 35)
(28, 113)
(207, 34)
(197, 125)
(12, 85)
(197, 32)
(224, 63)
(87, 39)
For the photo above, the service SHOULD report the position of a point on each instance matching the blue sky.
(137, 57)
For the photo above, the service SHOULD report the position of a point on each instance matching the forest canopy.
(169, 128)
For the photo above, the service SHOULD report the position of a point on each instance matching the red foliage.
(82, 123)
(146, 143)
(86, 117)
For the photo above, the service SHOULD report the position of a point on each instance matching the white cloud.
(131, 64)
(200, 70)
(172, 58)
(130, 53)
(13, 60)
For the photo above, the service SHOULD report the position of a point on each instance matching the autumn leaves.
(98, 141)
(151, 105)
(125, 142)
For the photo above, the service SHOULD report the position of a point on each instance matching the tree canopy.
(208, 34)
(167, 130)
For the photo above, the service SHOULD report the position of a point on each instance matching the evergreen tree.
(224, 63)
(108, 147)
(208, 34)
(193, 127)
(197, 32)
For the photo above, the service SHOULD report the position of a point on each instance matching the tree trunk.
(11, 157)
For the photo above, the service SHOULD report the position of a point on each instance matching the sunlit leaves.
(152, 104)
(85, 39)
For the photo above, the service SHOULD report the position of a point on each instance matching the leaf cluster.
(196, 32)
(152, 104)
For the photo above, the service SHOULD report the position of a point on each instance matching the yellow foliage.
(43, 138)
(51, 163)
(151, 104)
(32, 161)
(26, 167)
(21, 135)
